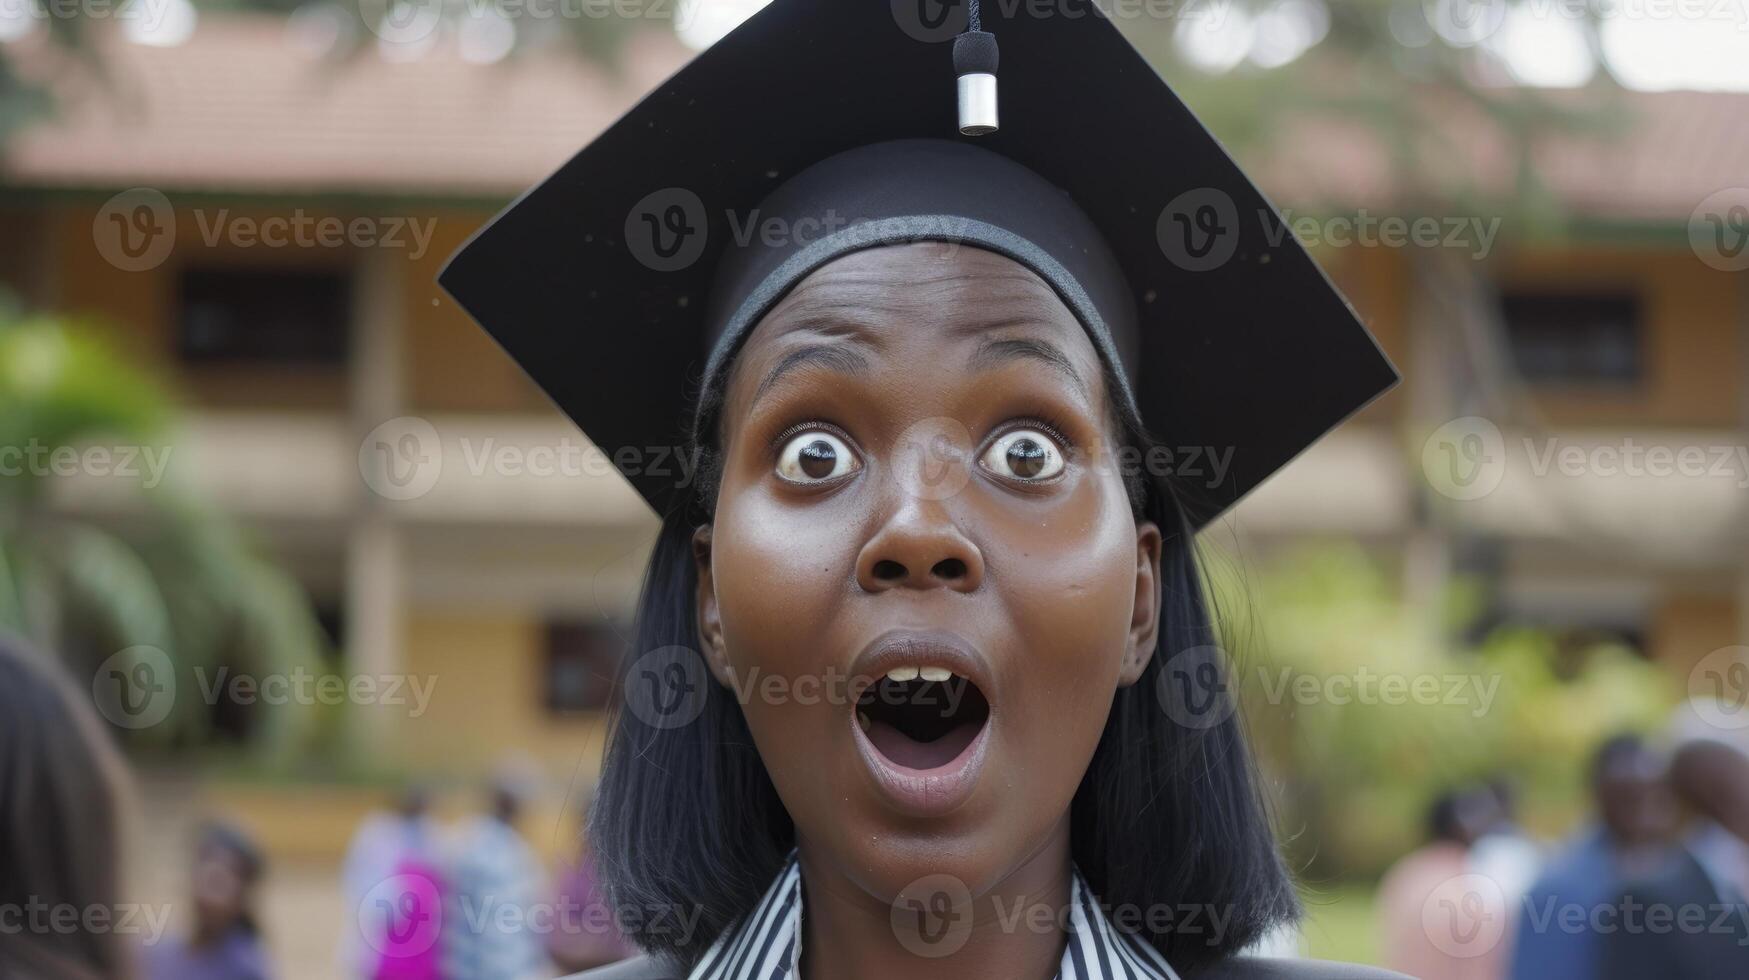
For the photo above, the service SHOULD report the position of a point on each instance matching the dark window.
(582, 661)
(1577, 338)
(264, 316)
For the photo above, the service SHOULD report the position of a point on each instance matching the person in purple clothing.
(226, 942)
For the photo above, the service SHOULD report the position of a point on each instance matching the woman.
(60, 805)
(225, 943)
(924, 683)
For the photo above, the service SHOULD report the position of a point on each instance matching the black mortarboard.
(624, 282)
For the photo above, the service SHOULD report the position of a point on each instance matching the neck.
(1015, 932)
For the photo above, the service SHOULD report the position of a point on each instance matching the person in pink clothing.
(1439, 919)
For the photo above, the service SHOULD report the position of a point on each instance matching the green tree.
(176, 575)
(1356, 770)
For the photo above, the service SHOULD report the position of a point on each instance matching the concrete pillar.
(375, 566)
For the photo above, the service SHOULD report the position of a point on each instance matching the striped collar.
(766, 943)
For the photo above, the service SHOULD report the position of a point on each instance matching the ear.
(1145, 617)
(710, 620)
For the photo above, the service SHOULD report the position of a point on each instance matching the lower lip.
(925, 792)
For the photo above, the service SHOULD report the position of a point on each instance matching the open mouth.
(922, 718)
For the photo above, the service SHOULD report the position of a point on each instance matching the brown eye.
(812, 457)
(1024, 454)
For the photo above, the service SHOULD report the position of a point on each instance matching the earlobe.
(710, 622)
(1145, 616)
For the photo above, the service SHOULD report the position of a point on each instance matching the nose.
(920, 547)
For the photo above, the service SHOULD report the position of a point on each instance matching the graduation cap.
(624, 282)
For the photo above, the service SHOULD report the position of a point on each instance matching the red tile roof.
(1657, 156)
(240, 107)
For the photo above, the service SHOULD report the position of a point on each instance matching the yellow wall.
(141, 306)
(1687, 627)
(1693, 355)
(1376, 283)
(452, 366)
(488, 697)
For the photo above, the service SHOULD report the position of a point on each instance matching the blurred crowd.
(423, 901)
(1653, 884)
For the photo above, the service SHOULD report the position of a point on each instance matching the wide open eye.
(814, 457)
(1024, 454)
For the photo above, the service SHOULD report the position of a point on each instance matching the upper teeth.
(912, 673)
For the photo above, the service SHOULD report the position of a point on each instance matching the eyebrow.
(833, 357)
(1001, 350)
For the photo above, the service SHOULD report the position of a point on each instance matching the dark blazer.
(1236, 968)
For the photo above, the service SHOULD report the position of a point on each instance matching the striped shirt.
(766, 943)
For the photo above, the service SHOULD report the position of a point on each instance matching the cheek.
(1069, 581)
(1069, 595)
(780, 574)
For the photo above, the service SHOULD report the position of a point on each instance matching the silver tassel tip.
(978, 104)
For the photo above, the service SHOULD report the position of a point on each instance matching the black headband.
(922, 190)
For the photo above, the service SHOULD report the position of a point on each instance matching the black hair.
(251, 866)
(1445, 819)
(1168, 815)
(1614, 751)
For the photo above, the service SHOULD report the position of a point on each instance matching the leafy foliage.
(1357, 770)
(182, 579)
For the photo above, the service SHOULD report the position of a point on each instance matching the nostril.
(888, 571)
(949, 569)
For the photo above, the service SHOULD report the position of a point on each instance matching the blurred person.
(1709, 737)
(493, 881)
(61, 800)
(402, 844)
(1504, 852)
(1632, 840)
(1709, 772)
(226, 941)
(586, 931)
(1455, 821)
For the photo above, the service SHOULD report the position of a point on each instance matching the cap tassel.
(974, 61)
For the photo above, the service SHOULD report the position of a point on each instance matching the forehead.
(924, 302)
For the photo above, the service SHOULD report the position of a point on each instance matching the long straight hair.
(1169, 817)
